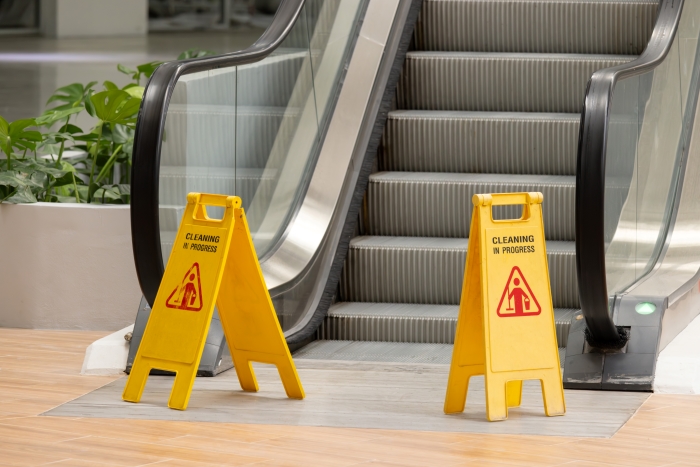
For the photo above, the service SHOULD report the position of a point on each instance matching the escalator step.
(481, 142)
(440, 204)
(513, 82)
(430, 271)
(399, 322)
(546, 26)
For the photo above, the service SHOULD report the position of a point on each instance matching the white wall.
(94, 18)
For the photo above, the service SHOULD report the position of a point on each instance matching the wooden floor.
(39, 370)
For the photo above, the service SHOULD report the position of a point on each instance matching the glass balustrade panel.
(650, 119)
(198, 148)
(254, 130)
(287, 119)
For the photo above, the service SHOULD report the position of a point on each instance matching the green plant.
(35, 169)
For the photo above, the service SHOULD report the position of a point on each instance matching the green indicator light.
(645, 308)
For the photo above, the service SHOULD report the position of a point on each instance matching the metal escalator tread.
(439, 204)
(407, 322)
(487, 81)
(430, 271)
(621, 26)
(481, 142)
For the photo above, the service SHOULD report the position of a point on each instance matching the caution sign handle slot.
(509, 199)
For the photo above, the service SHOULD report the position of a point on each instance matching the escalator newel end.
(605, 345)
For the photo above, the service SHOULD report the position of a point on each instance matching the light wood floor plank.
(40, 370)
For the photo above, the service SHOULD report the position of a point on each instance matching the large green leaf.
(83, 192)
(135, 91)
(52, 116)
(126, 70)
(109, 86)
(121, 134)
(89, 106)
(67, 179)
(22, 195)
(72, 95)
(147, 69)
(16, 135)
(46, 167)
(5, 140)
(18, 180)
(107, 195)
(10, 178)
(23, 138)
(115, 106)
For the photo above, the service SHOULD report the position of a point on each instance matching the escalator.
(486, 104)
(357, 131)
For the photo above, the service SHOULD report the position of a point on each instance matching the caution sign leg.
(468, 355)
(136, 383)
(185, 376)
(505, 328)
(501, 394)
(213, 262)
(553, 393)
(244, 303)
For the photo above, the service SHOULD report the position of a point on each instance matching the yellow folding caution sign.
(213, 262)
(505, 329)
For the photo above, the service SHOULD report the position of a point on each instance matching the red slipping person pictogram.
(517, 298)
(188, 295)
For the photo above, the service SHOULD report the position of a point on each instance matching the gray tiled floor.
(31, 68)
(363, 395)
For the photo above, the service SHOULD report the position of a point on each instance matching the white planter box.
(67, 266)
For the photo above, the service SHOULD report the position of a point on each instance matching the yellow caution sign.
(213, 262)
(505, 329)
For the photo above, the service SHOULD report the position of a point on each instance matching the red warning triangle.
(517, 298)
(188, 295)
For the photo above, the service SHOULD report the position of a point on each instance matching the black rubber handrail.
(145, 224)
(590, 176)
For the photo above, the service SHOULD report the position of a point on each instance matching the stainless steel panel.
(309, 226)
